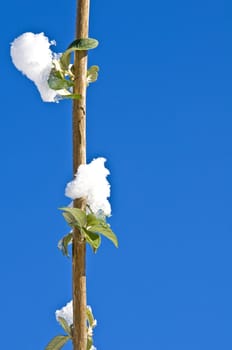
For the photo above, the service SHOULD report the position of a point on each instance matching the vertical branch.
(79, 157)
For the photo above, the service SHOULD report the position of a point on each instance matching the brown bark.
(79, 157)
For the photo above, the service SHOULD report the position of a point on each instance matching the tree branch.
(79, 157)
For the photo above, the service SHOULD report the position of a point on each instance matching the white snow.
(32, 56)
(66, 312)
(90, 183)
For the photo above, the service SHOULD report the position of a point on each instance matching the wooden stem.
(79, 157)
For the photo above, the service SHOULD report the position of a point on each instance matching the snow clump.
(90, 183)
(32, 56)
(66, 312)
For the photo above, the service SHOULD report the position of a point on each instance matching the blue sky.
(160, 113)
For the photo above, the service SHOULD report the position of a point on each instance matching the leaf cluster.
(90, 226)
(60, 340)
(62, 74)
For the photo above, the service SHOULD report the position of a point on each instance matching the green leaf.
(103, 228)
(64, 325)
(75, 217)
(58, 342)
(72, 96)
(89, 343)
(69, 219)
(92, 74)
(82, 44)
(64, 242)
(57, 82)
(90, 316)
(77, 45)
(93, 239)
(92, 220)
(65, 60)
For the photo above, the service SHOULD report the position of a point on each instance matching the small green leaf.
(91, 220)
(64, 242)
(69, 219)
(82, 44)
(64, 325)
(92, 74)
(90, 316)
(72, 96)
(65, 61)
(58, 342)
(77, 45)
(57, 82)
(103, 228)
(89, 343)
(75, 217)
(93, 239)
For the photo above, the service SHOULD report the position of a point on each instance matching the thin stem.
(79, 157)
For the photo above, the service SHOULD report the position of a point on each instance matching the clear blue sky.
(161, 113)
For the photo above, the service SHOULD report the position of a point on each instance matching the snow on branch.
(52, 73)
(66, 313)
(90, 183)
(31, 54)
(64, 316)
